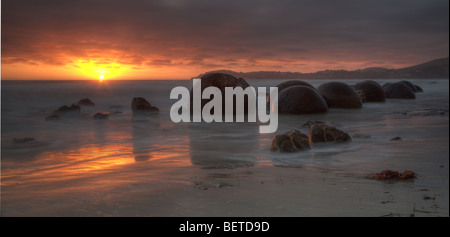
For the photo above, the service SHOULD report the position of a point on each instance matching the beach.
(150, 166)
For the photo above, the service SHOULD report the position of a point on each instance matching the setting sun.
(101, 77)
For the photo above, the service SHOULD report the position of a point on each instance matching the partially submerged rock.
(100, 116)
(340, 95)
(301, 100)
(65, 109)
(19, 140)
(322, 133)
(140, 105)
(85, 102)
(393, 175)
(290, 142)
(396, 139)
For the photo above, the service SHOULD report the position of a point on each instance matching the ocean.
(151, 166)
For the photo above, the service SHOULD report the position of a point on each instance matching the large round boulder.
(287, 84)
(290, 83)
(398, 90)
(373, 92)
(340, 95)
(220, 81)
(301, 100)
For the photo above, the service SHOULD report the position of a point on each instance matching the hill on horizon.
(438, 68)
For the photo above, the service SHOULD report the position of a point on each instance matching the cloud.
(202, 33)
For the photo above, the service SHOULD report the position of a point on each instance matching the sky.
(179, 39)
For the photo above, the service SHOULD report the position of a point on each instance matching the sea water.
(79, 166)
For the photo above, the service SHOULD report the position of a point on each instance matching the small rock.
(324, 133)
(141, 105)
(100, 116)
(72, 108)
(23, 139)
(396, 139)
(428, 198)
(290, 142)
(202, 187)
(221, 185)
(85, 102)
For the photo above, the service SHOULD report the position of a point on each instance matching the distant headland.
(435, 69)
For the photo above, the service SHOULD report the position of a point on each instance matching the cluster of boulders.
(319, 132)
(139, 106)
(299, 97)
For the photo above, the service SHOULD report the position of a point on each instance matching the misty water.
(150, 166)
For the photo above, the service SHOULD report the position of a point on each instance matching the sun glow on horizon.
(100, 69)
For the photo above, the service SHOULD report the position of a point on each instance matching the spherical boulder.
(290, 142)
(287, 84)
(398, 91)
(220, 81)
(340, 95)
(373, 92)
(301, 100)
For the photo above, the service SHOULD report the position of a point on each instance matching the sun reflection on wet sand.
(92, 163)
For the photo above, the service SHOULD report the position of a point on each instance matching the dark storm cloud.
(161, 32)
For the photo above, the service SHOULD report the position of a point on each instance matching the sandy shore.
(261, 190)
